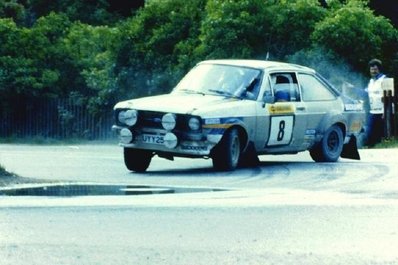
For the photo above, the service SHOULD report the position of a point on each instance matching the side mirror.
(269, 99)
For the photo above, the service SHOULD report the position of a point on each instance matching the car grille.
(153, 120)
(150, 119)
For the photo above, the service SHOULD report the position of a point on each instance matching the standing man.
(375, 94)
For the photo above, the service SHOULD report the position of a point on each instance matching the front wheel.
(136, 159)
(330, 147)
(226, 154)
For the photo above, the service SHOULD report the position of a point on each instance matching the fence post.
(395, 109)
(388, 114)
(395, 115)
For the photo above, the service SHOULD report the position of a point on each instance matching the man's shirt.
(375, 93)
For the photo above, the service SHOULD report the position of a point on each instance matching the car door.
(284, 122)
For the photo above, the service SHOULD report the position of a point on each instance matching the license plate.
(152, 139)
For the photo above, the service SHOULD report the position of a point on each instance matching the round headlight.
(169, 121)
(194, 124)
(130, 117)
(120, 116)
(170, 140)
(125, 135)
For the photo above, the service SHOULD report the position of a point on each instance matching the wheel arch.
(243, 136)
(342, 126)
(328, 125)
(333, 119)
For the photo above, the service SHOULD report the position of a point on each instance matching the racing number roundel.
(281, 130)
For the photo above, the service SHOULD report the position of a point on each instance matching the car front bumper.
(157, 141)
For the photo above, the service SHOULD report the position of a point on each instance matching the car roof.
(260, 64)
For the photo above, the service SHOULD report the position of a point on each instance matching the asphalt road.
(289, 210)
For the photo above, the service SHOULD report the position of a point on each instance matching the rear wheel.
(136, 159)
(226, 154)
(330, 147)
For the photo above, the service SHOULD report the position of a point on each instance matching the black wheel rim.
(333, 141)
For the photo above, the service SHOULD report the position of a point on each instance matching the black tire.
(330, 147)
(136, 159)
(227, 153)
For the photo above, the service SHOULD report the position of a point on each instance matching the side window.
(268, 89)
(285, 87)
(313, 90)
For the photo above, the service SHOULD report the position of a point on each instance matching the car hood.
(175, 103)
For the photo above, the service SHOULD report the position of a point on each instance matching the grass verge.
(7, 178)
(387, 143)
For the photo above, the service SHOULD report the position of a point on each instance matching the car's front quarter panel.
(218, 119)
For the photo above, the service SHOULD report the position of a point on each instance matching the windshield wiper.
(220, 92)
(191, 91)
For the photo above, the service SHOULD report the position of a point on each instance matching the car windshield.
(224, 80)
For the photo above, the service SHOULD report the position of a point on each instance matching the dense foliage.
(98, 53)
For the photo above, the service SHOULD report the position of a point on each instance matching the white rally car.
(234, 110)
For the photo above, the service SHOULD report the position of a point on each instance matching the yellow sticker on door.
(279, 108)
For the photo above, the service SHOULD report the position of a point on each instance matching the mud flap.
(249, 157)
(350, 150)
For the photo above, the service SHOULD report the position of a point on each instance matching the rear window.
(313, 89)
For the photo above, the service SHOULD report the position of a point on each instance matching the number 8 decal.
(281, 130)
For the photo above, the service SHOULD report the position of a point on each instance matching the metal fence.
(58, 119)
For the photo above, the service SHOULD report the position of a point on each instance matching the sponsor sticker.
(220, 123)
(353, 107)
(310, 132)
(279, 108)
(212, 121)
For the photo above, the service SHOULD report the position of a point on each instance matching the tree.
(156, 45)
(12, 9)
(234, 29)
(90, 49)
(95, 12)
(31, 62)
(16, 70)
(292, 25)
(43, 44)
(357, 35)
